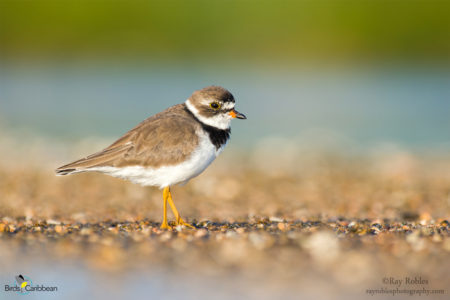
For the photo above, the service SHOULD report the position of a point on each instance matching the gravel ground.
(333, 226)
(294, 256)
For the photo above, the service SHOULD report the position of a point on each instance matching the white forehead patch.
(228, 105)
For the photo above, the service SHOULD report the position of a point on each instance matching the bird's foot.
(164, 225)
(181, 222)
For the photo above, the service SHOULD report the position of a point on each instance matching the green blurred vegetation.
(225, 30)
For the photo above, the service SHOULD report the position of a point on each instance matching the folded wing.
(166, 138)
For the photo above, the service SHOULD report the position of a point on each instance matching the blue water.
(78, 281)
(409, 107)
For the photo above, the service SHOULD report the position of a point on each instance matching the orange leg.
(178, 219)
(166, 193)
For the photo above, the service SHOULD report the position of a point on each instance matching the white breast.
(164, 176)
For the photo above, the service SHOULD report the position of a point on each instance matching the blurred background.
(369, 71)
(348, 107)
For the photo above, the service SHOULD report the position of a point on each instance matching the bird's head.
(213, 106)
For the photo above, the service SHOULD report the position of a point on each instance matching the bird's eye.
(215, 105)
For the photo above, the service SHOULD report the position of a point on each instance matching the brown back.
(166, 138)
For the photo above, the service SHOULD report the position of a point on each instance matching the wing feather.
(166, 138)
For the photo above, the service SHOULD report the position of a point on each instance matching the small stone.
(53, 222)
(11, 228)
(374, 230)
(114, 230)
(7, 220)
(86, 231)
(425, 218)
(343, 223)
(363, 231)
(282, 226)
(240, 230)
(201, 233)
(275, 219)
(377, 226)
(444, 223)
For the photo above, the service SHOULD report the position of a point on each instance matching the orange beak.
(235, 114)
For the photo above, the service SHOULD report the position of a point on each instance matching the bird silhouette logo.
(22, 282)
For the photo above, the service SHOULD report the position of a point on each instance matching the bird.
(21, 281)
(168, 148)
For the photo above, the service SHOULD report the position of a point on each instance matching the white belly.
(164, 176)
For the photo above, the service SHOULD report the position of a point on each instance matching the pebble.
(240, 230)
(53, 222)
(200, 233)
(11, 228)
(444, 223)
(282, 226)
(59, 229)
(276, 219)
(319, 238)
(86, 231)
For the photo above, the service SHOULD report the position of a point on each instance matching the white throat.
(221, 121)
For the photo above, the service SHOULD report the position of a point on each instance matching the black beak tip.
(241, 116)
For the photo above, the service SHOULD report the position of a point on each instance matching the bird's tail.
(102, 158)
(68, 171)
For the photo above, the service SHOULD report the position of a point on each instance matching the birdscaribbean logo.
(24, 285)
(22, 282)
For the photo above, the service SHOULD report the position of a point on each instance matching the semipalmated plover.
(170, 147)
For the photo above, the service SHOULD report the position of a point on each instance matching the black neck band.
(217, 136)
